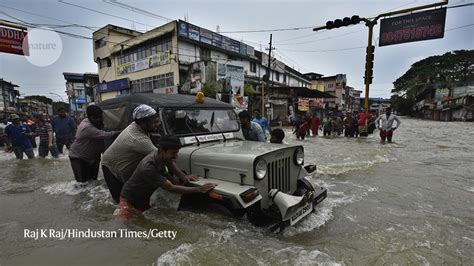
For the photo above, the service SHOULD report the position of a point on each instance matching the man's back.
(125, 153)
(64, 127)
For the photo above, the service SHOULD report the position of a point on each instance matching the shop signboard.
(193, 33)
(183, 29)
(13, 40)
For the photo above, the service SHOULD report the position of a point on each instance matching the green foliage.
(209, 89)
(248, 89)
(402, 104)
(434, 71)
(444, 69)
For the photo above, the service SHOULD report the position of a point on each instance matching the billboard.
(114, 85)
(13, 40)
(158, 59)
(419, 26)
(233, 76)
(196, 33)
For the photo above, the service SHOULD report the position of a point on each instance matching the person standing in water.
(386, 129)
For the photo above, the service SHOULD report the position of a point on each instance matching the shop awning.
(305, 92)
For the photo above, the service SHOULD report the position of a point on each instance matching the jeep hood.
(228, 160)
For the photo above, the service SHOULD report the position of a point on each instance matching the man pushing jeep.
(152, 173)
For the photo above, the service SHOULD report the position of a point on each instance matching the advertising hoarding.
(161, 58)
(196, 33)
(414, 27)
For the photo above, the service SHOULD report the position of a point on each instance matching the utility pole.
(267, 79)
(370, 48)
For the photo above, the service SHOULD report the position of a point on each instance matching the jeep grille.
(279, 175)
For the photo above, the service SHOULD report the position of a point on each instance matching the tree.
(209, 89)
(456, 66)
(433, 72)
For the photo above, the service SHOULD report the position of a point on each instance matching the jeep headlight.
(298, 157)
(260, 169)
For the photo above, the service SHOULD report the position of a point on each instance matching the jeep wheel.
(256, 216)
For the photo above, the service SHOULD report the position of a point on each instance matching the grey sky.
(326, 52)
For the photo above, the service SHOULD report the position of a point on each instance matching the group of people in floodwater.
(134, 167)
(350, 124)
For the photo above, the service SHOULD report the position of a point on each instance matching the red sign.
(419, 26)
(13, 41)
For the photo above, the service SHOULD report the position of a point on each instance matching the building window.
(151, 83)
(144, 51)
(205, 54)
(284, 78)
(100, 42)
(277, 76)
(105, 62)
(253, 67)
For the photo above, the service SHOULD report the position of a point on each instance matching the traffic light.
(369, 64)
(343, 22)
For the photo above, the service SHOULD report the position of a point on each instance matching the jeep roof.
(157, 100)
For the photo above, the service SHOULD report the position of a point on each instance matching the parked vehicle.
(267, 182)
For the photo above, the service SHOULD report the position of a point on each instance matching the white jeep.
(267, 182)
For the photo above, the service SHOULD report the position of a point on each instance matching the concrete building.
(446, 104)
(352, 99)
(80, 89)
(9, 97)
(334, 85)
(180, 57)
(32, 106)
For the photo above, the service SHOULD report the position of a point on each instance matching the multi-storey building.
(80, 89)
(180, 57)
(9, 96)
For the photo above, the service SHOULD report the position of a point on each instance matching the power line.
(269, 30)
(103, 13)
(291, 61)
(35, 14)
(312, 34)
(460, 27)
(136, 10)
(323, 51)
(323, 39)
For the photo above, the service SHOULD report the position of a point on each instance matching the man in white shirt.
(386, 130)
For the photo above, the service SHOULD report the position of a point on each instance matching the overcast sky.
(330, 52)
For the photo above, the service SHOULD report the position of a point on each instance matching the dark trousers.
(43, 150)
(19, 152)
(84, 171)
(61, 142)
(113, 183)
(33, 141)
(386, 134)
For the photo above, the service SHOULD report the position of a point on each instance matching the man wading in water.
(386, 130)
(152, 173)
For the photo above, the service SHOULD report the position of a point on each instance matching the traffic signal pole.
(369, 63)
(370, 48)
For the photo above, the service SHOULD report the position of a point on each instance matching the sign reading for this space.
(419, 26)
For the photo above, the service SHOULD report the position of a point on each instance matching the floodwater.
(411, 202)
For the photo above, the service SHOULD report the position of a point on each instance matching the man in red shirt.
(363, 119)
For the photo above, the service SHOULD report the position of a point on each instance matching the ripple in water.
(350, 166)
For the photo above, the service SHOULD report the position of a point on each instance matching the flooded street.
(411, 202)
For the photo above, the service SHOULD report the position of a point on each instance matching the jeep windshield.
(189, 122)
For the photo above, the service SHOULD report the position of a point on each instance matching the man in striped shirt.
(45, 132)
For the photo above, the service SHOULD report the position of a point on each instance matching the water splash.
(67, 188)
(350, 166)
